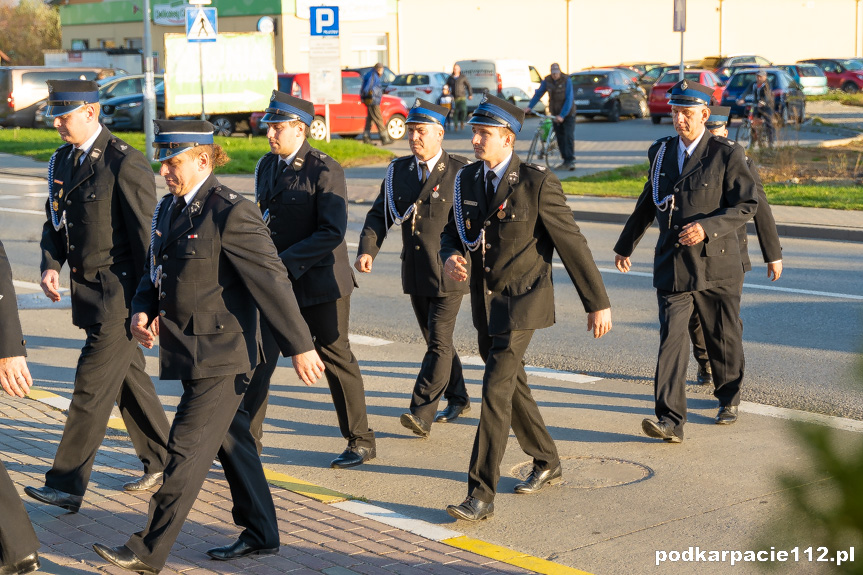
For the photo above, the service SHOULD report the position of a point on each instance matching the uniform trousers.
(506, 402)
(210, 420)
(441, 371)
(328, 323)
(696, 336)
(718, 310)
(110, 369)
(17, 538)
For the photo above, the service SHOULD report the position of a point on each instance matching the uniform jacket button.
(70, 224)
(416, 233)
(123, 274)
(302, 267)
(715, 234)
(68, 202)
(272, 233)
(676, 227)
(165, 257)
(74, 270)
(488, 292)
(677, 245)
(419, 202)
(220, 326)
(487, 269)
(162, 313)
(71, 248)
(487, 224)
(417, 248)
(163, 295)
(193, 252)
(164, 276)
(488, 246)
(676, 209)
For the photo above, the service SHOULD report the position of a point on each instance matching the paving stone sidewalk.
(315, 537)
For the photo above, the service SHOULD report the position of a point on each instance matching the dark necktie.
(76, 159)
(179, 204)
(280, 170)
(425, 172)
(489, 187)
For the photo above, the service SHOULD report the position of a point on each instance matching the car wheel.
(614, 112)
(589, 116)
(318, 129)
(644, 110)
(850, 88)
(224, 126)
(657, 119)
(396, 127)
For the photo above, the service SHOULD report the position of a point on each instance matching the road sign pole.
(201, 62)
(327, 119)
(149, 86)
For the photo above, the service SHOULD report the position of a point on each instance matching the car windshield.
(710, 62)
(652, 74)
(810, 72)
(852, 64)
(411, 80)
(590, 79)
(671, 77)
(746, 79)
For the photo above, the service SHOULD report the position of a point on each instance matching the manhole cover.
(593, 472)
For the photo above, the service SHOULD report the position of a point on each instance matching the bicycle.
(544, 144)
(749, 131)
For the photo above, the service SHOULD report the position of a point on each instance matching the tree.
(27, 27)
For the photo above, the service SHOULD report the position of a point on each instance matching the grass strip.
(243, 151)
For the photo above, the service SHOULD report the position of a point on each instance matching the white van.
(499, 77)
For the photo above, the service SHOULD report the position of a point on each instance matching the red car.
(658, 100)
(347, 118)
(845, 75)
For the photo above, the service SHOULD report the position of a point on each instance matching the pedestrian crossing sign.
(201, 24)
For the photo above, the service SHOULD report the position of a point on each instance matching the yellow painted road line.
(301, 487)
(516, 558)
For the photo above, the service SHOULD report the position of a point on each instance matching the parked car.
(658, 100)
(425, 85)
(126, 113)
(790, 101)
(811, 78)
(347, 118)
(650, 77)
(110, 87)
(642, 67)
(520, 98)
(842, 74)
(493, 76)
(608, 92)
(24, 88)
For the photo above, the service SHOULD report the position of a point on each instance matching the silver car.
(811, 78)
(425, 85)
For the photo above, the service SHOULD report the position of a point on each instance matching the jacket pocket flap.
(295, 197)
(215, 322)
(194, 248)
(526, 285)
(722, 247)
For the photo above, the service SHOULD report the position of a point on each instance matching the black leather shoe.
(26, 565)
(415, 424)
(727, 415)
(148, 481)
(239, 548)
(705, 375)
(451, 413)
(537, 479)
(123, 558)
(353, 456)
(56, 497)
(662, 429)
(471, 509)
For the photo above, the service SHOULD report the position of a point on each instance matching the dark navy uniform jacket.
(11, 338)
(109, 206)
(422, 270)
(219, 268)
(308, 208)
(716, 189)
(527, 221)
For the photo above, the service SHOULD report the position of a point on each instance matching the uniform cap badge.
(684, 85)
(512, 178)
(232, 196)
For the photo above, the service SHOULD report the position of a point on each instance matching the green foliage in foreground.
(839, 96)
(244, 152)
(628, 182)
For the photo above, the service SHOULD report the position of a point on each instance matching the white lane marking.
(38, 194)
(745, 285)
(30, 212)
(10, 197)
(57, 401)
(353, 245)
(33, 286)
(367, 340)
(23, 182)
(841, 423)
(39, 301)
(539, 371)
(393, 519)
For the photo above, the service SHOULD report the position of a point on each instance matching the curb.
(350, 504)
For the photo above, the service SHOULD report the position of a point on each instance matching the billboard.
(239, 74)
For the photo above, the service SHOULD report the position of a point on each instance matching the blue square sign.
(201, 24)
(324, 20)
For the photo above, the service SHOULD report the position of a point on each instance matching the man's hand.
(775, 270)
(308, 366)
(622, 263)
(363, 263)
(558, 119)
(691, 234)
(51, 285)
(14, 376)
(154, 327)
(599, 322)
(454, 268)
(140, 331)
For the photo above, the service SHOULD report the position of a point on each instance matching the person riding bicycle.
(762, 104)
(560, 103)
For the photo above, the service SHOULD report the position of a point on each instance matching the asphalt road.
(800, 346)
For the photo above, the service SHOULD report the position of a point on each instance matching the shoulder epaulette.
(460, 159)
(119, 145)
(728, 142)
(660, 140)
(227, 193)
(403, 158)
(537, 167)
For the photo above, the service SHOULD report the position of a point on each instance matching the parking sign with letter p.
(324, 20)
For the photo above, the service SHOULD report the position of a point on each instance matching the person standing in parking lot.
(560, 95)
(461, 91)
(371, 93)
(762, 104)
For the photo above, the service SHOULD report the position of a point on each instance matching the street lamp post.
(720, 26)
(856, 23)
(149, 85)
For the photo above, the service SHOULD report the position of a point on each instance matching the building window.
(368, 49)
(105, 43)
(80, 44)
(134, 43)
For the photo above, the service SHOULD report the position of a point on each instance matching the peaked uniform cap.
(285, 108)
(719, 116)
(424, 112)
(494, 111)
(66, 96)
(688, 94)
(173, 137)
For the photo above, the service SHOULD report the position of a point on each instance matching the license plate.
(405, 94)
(581, 102)
(107, 121)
